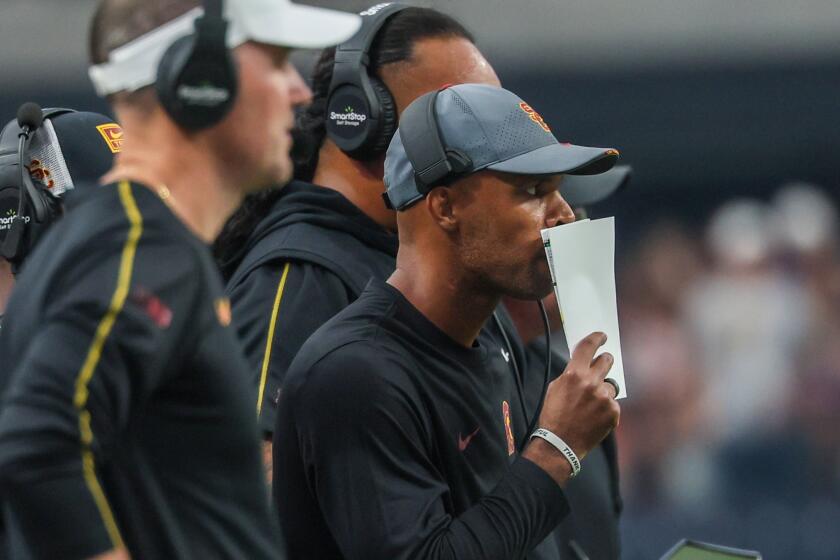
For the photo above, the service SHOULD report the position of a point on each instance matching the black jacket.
(308, 259)
(393, 442)
(125, 418)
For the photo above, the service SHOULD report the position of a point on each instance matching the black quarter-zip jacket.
(306, 261)
(393, 441)
(126, 419)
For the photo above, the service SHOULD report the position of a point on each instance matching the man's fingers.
(602, 365)
(585, 350)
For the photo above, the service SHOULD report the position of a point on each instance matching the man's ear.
(440, 204)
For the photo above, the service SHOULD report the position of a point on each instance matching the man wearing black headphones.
(128, 428)
(66, 150)
(297, 257)
(393, 409)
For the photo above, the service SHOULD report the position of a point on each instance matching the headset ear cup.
(9, 201)
(186, 67)
(388, 118)
(169, 71)
(37, 230)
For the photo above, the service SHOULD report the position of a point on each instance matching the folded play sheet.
(581, 256)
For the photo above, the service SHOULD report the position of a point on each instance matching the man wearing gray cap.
(127, 426)
(389, 411)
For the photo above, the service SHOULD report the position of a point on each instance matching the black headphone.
(361, 113)
(37, 208)
(197, 78)
(433, 162)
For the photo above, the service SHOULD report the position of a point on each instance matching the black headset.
(37, 208)
(197, 77)
(433, 162)
(361, 113)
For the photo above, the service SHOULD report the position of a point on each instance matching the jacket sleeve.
(365, 445)
(107, 338)
(276, 307)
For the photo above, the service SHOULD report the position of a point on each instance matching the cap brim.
(560, 158)
(583, 190)
(302, 27)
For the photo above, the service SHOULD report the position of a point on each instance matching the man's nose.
(299, 92)
(557, 210)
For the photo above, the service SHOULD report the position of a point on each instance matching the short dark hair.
(394, 43)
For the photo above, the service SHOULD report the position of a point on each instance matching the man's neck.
(526, 317)
(444, 295)
(7, 282)
(359, 182)
(186, 177)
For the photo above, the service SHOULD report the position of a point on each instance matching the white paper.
(581, 256)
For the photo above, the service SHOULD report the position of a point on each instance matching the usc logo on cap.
(40, 173)
(534, 116)
(113, 135)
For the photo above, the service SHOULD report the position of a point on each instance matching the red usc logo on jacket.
(534, 116)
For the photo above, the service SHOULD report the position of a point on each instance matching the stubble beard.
(531, 281)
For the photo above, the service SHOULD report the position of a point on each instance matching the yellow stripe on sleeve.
(95, 353)
(270, 339)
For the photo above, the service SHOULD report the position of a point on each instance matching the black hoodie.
(318, 225)
(309, 258)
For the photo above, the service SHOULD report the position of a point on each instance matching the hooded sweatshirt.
(310, 257)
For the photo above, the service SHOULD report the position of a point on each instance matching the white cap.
(274, 22)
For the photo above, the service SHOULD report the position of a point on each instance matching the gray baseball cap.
(487, 127)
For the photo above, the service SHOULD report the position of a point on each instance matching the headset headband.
(351, 57)
(9, 136)
(211, 27)
(214, 9)
(432, 161)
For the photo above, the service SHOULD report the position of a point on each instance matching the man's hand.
(579, 408)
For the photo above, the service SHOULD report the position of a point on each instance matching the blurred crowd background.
(728, 252)
(731, 343)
